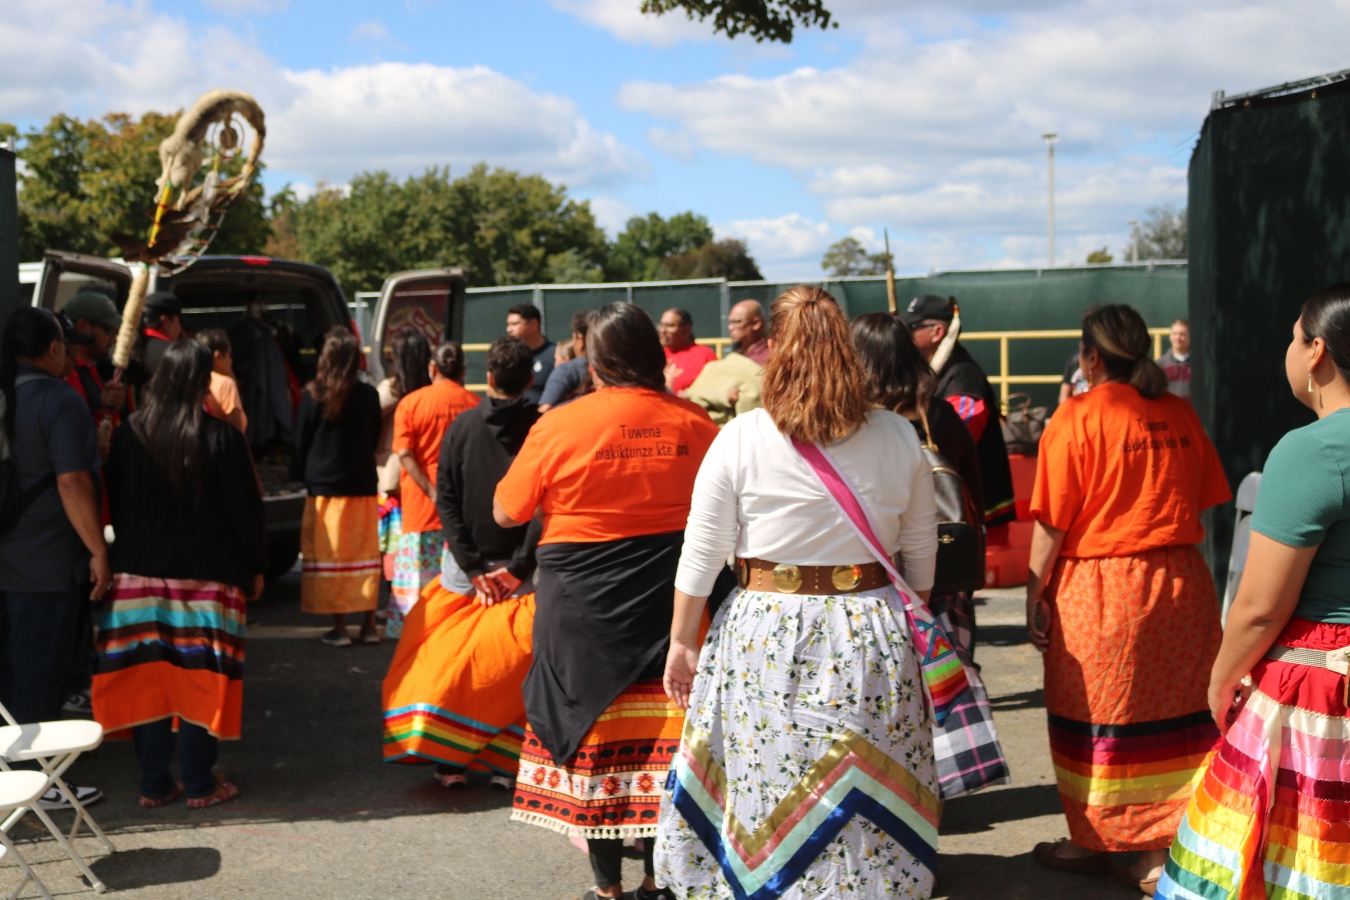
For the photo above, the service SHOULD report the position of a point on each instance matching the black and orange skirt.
(611, 788)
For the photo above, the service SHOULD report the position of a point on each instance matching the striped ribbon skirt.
(452, 694)
(339, 540)
(611, 788)
(1271, 818)
(1126, 681)
(170, 647)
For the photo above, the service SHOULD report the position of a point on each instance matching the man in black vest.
(935, 323)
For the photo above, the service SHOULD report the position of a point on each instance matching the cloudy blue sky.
(917, 115)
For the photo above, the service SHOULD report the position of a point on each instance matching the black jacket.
(337, 459)
(962, 375)
(956, 446)
(220, 536)
(478, 449)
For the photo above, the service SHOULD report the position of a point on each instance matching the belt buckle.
(743, 573)
(787, 578)
(846, 578)
(1339, 660)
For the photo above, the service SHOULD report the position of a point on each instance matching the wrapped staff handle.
(131, 316)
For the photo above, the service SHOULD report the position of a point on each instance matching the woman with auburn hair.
(1270, 818)
(1121, 603)
(612, 473)
(336, 435)
(807, 761)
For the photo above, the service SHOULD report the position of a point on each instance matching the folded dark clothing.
(602, 621)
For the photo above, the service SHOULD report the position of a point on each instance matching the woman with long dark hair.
(336, 435)
(1269, 818)
(1121, 603)
(901, 380)
(806, 697)
(409, 367)
(612, 473)
(191, 549)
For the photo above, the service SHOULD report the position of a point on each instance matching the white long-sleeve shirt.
(755, 495)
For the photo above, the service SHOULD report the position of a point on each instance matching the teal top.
(1304, 501)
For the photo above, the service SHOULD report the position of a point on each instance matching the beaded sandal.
(155, 803)
(225, 792)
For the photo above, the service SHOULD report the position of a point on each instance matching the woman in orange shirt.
(1121, 603)
(612, 474)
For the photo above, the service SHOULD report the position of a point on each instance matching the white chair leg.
(66, 845)
(55, 768)
(28, 873)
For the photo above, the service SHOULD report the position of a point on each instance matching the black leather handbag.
(960, 556)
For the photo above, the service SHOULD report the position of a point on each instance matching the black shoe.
(643, 894)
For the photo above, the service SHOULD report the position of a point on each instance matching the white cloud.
(672, 143)
(242, 7)
(323, 125)
(935, 126)
(610, 214)
(624, 20)
(789, 242)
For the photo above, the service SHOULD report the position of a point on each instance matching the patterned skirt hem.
(606, 832)
(122, 732)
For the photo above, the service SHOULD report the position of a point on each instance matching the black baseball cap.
(69, 332)
(927, 307)
(164, 302)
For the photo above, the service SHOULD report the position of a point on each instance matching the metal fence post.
(538, 300)
(629, 291)
(725, 303)
(1003, 370)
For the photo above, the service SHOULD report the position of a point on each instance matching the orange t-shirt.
(614, 464)
(420, 421)
(1121, 474)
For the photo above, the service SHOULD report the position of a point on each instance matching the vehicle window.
(72, 283)
(296, 318)
(418, 307)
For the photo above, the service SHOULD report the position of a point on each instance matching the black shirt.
(543, 367)
(478, 449)
(219, 536)
(337, 459)
(962, 375)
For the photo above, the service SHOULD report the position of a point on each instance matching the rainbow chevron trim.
(853, 778)
(423, 732)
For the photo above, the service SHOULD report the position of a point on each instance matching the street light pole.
(1134, 240)
(1050, 140)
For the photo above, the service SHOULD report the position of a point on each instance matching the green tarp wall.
(1006, 300)
(1269, 224)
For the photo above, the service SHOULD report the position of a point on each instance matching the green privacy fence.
(997, 300)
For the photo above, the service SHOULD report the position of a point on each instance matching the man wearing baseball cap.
(935, 323)
(96, 317)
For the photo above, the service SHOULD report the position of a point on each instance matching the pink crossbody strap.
(846, 498)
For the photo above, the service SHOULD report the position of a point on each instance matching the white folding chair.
(54, 746)
(20, 791)
(1242, 533)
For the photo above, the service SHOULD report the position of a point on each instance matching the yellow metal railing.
(1004, 379)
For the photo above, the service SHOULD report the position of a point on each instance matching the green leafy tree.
(771, 20)
(849, 257)
(646, 240)
(506, 228)
(1098, 257)
(1162, 234)
(84, 180)
(727, 259)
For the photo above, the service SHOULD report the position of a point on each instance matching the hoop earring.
(1310, 387)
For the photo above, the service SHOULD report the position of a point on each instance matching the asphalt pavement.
(322, 816)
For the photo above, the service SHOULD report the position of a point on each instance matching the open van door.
(66, 274)
(427, 300)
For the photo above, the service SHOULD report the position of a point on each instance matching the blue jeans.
(39, 634)
(197, 754)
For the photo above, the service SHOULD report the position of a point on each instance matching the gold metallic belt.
(787, 578)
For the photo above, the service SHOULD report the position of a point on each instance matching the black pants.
(39, 631)
(607, 860)
(197, 752)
